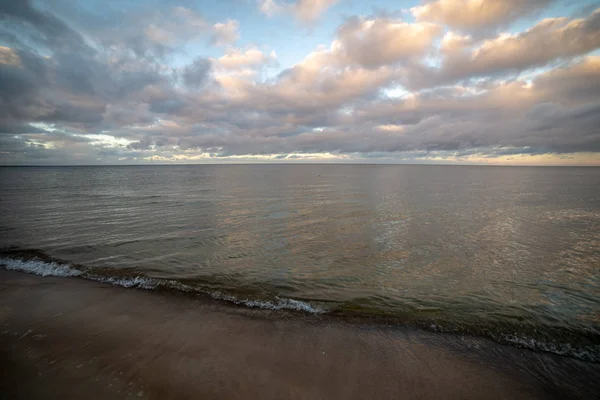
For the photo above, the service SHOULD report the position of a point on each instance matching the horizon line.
(295, 163)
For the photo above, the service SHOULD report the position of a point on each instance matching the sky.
(498, 82)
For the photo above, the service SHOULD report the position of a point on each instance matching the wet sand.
(69, 338)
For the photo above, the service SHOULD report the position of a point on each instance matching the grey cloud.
(42, 26)
(73, 112)
(443, 120)
(197, 73)
(168, 106)
(15, 150)
(125, 83)
(554, 122)
(31, 148)
(77, 73)
(75, 84)
(547, 117)
(12, 128)
(21, 85)
(152, 141)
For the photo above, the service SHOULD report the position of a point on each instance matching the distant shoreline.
(75, 338)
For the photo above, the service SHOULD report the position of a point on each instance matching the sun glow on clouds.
(453, 81)
(9, 57)
(391, 128)
(106, 140)
(214, 157)
(43, 126)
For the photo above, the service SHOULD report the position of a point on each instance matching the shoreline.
(581, 344)
(74, 338)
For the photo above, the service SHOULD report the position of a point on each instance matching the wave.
(583, 344)
(38, 267)
(591, 353)
(54, 268)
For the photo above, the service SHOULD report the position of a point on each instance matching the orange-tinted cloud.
(476, 15)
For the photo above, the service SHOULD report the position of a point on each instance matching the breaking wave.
(54, 268)
(38, 267)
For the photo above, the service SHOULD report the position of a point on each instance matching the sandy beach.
(71, 338)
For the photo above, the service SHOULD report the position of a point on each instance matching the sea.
(507, 253)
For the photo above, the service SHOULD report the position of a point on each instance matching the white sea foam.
(41, 268)
(278, 304)
(127, 282)
(563, 349)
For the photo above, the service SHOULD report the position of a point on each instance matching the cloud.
(12, 128)
(225, 33)
(197, 73)
(576, 84)
(38, 26)
(309, 10)
(549, 40)
(21, 96)
(251, 57)
(542, 116)
(270, 7)
(74, 83)
(162, 32)
(9, 57)
(184, 25)
(305, 11)
(476, 16)
(375, 42)
(534, 118)
(144, 86)
(318, 82)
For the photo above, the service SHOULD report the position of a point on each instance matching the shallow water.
(505, 252)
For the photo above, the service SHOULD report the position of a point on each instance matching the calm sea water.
(506, 252)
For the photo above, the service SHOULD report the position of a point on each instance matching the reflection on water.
(491, 242)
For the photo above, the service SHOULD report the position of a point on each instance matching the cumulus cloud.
(382, 41)
(476, 16)
(316, 85)
(549, 40)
